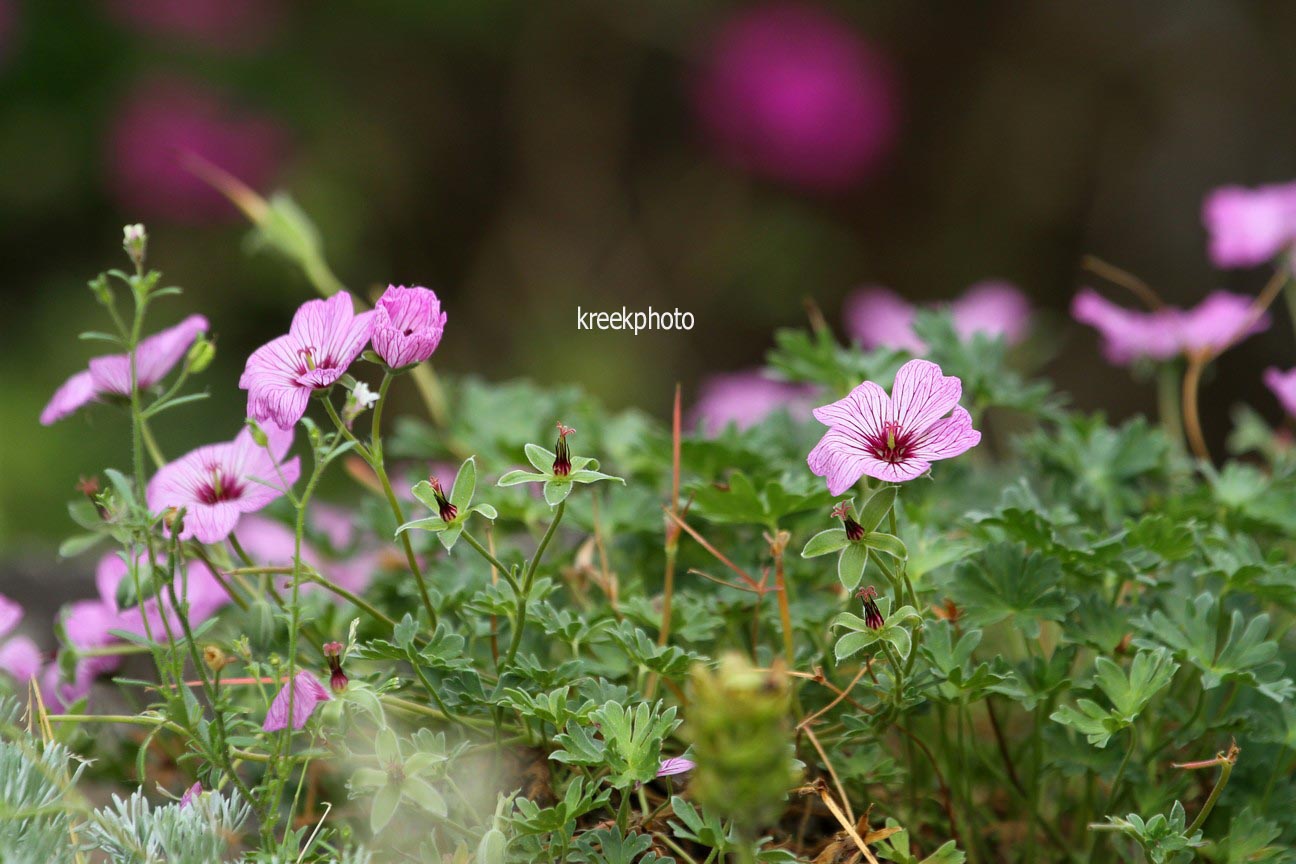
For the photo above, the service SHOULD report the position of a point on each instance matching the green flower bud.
(135, 242)
(742, 742)
(201, 354)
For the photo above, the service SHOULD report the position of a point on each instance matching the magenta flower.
(306, 693)
(877, 317)
(109, 375)
(218, 483)
(323, 340)
(20, 659)
(893, 438)
(792, 93)
(675, 765)
(1129, 334)
(407, 327)
(1283, 385)
(161, 122)
(1249, 226)
(745, 399)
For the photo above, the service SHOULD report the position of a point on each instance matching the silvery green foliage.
(132, 831)
(356, 855)
(35, 824)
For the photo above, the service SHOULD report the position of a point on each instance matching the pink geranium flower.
(745, 399)
(218, 483)
(323, 340)
(190, 795)
(163, 121)
(790, 92)
(1249, 226)
(1129, 334)
(675, 765)
(408, 323)
(1283, 385)
(110, 376)
(877, 317)
(306, 693)
(896, 437)
(20, 659)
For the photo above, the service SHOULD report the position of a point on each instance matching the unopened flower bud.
(214, 658)
(135, 242)
(333, 655)
(201, 354)
(258, 434)
(173, 520)
(872, 614)
(89, 487)
(447, 510)
(854, 530)
(741, 742)
(562, 454)
(359, 399)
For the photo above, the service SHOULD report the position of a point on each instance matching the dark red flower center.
(893, 445)
(218, 486)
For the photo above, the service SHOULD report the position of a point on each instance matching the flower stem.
(1226, 768)
(491, 559)
(527, 580)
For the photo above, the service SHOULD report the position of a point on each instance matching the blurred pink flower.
(408, 323)
(1283, 385)
(790, 92)
(1129, 334)
(190, 795)
(163, 120)
(227, 24)
(877, 317)
(337, 524)
(20, 659)
(110, 375)
(1249, 226)
(306, 693)
(745, 399)
(218, 483)
(271, 543)
(893, 438)
(323, 340)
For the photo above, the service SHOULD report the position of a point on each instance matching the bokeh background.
(524, 158)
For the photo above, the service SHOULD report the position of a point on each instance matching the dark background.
(526, 157)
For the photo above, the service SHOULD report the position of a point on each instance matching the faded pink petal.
(306, 693)
(1218, 322)
(1283, 385)
(59, 695)
(1128, 334)
(893, 438)
(993, 307)
(217, 483)
(190, 795)
(745, 399)
(1249, 226)
(877, 317)
(790, 92)
(408, 323)
(157, 356)
(675, 765)
(20, 659)
(11, 612)
(323, 340)
(336, 523)
(110, 375)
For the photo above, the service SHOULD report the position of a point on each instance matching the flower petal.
(76, 392)
(922, 395)
(946, 438)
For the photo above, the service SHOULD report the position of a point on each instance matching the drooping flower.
(408, 323)
(218, 483)
(1283, 385)
(872, 614)
(745, 399)
(675, 765)
(893, 438)
(337, 678)
(1249, 226)
(110, 375)
(20, 659)
(445, 509)
(190, 795)
(280, 376)
(163, 121)
(1129, 334)
(877, 317)
(792, 93)
(305, 693)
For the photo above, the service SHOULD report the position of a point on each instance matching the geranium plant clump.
(1069, 646)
